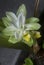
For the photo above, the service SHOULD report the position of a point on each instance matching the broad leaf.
(11, 16)
(33, 26)
(1, 23)
(32, 20)
(1, 28)
(9, 31)
(28, 61)
(22, 9)
(3, 36)
(6, 21)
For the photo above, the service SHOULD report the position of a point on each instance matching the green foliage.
(28, 61)
(1, 25)
(13, 40)
(22, 9)
(16, 26)
(33, 26)
(32, 20)
(6, 21)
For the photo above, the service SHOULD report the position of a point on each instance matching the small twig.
(36, 7)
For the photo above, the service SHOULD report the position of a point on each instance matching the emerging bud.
(37, 35)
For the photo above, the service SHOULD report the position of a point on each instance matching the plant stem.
(36, 7)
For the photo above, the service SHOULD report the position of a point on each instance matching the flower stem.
(36, 7)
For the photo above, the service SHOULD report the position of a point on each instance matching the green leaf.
(22, 9)
(1, 24)
(9, 31)
(12, 40)
(3, 36)
(33, 26)
(28, 61)
(11, 16)
(32, 20)
(6, 21)
(1, 28)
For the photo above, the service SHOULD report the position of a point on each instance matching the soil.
(37, 59)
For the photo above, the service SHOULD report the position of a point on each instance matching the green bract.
(32, 20)
(22, 9)
(16, 26)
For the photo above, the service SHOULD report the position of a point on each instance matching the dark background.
(12, 5)
(10, 56)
